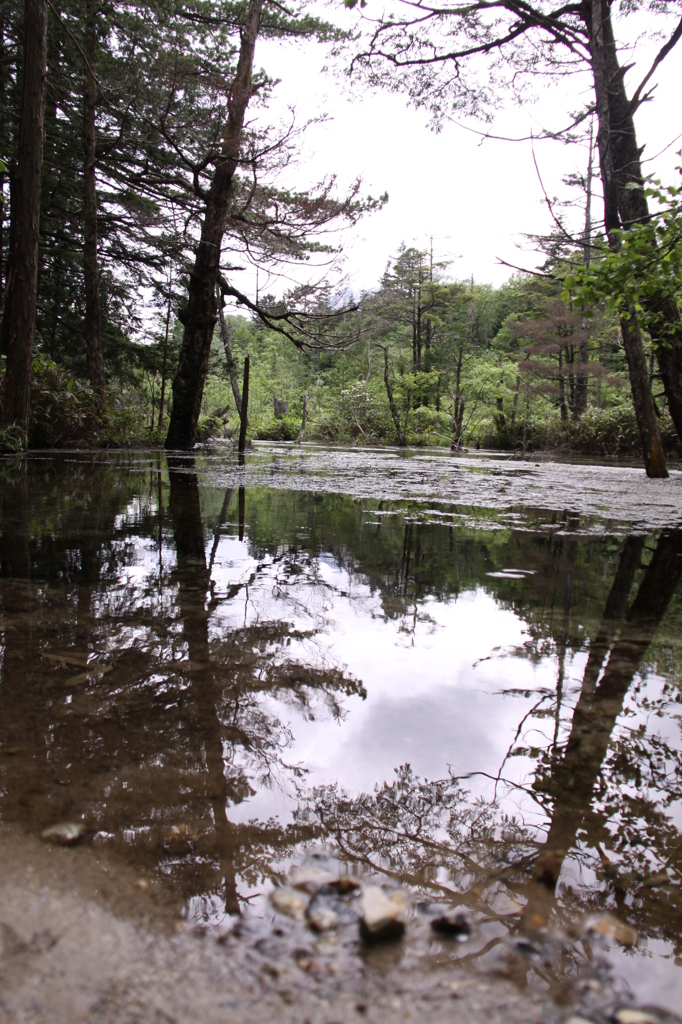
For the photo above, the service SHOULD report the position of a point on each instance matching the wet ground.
(457, 677)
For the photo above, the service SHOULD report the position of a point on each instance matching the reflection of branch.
(518, 733)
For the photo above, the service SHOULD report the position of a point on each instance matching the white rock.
(628, 1015)
(66, 833)
(290, 902)
(310, 879)
(324, 920)
(382, 915)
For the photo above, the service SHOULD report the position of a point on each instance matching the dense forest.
(141, 173)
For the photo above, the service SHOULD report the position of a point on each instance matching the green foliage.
(644, 272)
(66, 412)
(11, 441)
(599, 432)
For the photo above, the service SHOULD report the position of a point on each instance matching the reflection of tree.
(190, 720)
(433, 835)
(429, 834)
(590, 810)
(193, 719)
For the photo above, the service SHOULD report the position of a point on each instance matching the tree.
(199, 317)
(21, 300)
(417, 51)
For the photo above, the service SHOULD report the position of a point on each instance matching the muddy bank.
(80, 941)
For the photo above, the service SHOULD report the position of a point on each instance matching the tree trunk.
(402, 440)
(619, 157)
(562, 390)
(645, 411)
(200, 314)
(165, 350)
(620, 166)
(244, 411)
(304, 421)
(458, 416)
(583, 344)
(93, 311)
(25, 256)
(231, 366)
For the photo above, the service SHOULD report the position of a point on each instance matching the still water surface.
(460, 675)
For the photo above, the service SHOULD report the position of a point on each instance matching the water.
(457, 675)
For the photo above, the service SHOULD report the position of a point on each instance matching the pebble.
(382, 915)
(290, 902)
(310, 879)
(345, 885)
(455, 924)
(66, 833)
(611, 928)
(325, 900)
(629, 1015)
(324, 919)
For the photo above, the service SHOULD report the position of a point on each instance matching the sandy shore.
(80, 941)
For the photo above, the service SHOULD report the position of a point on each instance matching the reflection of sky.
(434, 694)
(446, 688)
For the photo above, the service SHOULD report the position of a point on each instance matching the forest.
(141, 174)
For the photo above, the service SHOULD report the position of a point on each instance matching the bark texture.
(402, 440)
(27, 216)
(304, 420)
(231, 365)
(93, 310)
(200, 314)
(244, 411)
(620, 167)
(620, 161)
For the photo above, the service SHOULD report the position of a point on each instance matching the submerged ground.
(455, 676)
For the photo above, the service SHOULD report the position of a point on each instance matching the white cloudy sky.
(477, 200)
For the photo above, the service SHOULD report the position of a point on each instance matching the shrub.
(599, 432)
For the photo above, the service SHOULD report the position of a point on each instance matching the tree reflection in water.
(155, 752)
(161, 754)
(603, 815)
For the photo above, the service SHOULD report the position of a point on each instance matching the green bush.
(598, 432)
(285, 429)
(66, 412)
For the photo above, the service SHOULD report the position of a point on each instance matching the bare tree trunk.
(231, 366)
(458, 413)
(25, 257)
(562, 391)
(402, 440)
(583, 345)
(654, 456)
(304, 421)
(200, 314)
(93, 310)
(619, 163)
(164, 368)
(244, 411)
(516, 399)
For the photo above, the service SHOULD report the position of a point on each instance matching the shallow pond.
(459, 675)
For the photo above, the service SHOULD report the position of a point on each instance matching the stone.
(310, 879)
(290, 902)
(455, 924)
(345, 885)
(324, 920)
(325, 900)
(610, 927)
(630, 1015)
(382, 916)
(66, 833)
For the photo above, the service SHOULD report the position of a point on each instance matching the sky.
(475, 198)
